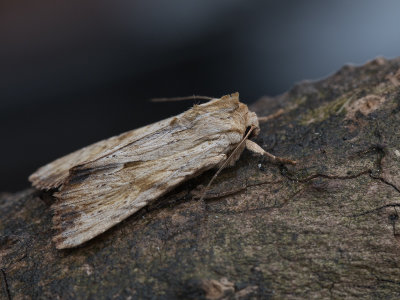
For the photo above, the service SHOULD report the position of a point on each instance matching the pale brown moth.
(104, 183)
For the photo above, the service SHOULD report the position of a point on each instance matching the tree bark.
(325, 228)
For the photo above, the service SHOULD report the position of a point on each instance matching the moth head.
(240, 110)
(250, 118)
(252, 122)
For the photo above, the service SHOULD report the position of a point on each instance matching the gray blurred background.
(74, 72)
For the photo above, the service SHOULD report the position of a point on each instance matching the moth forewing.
(103, 184)
(56, 173)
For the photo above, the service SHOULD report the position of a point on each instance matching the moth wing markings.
(55, 173)
(106, 196)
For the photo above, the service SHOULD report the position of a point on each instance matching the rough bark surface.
(326, 228)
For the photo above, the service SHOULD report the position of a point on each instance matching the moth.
(102, 184)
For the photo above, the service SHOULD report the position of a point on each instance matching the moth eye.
(247, 130)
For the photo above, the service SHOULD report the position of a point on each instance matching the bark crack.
(386, 182)
(375, 209)
(265, 208)
(286, 174)
(5, 283)
(239, 190)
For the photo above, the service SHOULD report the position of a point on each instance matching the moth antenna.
(226, 162)
(270, 117)
(171, 99)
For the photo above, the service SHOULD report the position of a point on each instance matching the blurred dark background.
(75, 72)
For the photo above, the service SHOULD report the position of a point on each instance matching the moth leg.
(253, 147)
